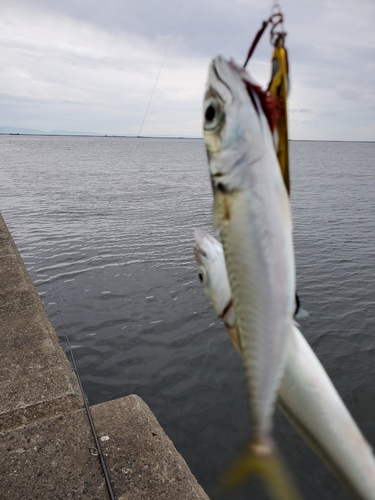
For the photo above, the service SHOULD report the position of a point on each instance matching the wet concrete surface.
(45, 436)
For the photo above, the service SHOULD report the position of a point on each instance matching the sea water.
(105, 227)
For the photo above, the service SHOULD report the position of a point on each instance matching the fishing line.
(97, 451)
(275, 19)
(156, 81)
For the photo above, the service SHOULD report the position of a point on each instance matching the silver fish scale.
(257, 305)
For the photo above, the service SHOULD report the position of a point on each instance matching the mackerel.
(306, 394)
(252, 215)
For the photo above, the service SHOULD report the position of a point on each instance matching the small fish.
(252, 214)
(215, 284)
(306, 394)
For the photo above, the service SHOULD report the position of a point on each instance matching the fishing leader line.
(97, 451)
(156, 81)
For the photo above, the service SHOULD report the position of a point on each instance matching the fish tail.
(265, 462)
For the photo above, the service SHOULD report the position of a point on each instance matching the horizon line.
(134, 136)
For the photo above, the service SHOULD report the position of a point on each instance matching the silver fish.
(306, 394)
(215, 284)
(252, 214)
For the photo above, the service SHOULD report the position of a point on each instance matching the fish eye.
(210, 113)
(213, 115)
(202, 275)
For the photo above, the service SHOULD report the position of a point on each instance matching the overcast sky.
(91, 65)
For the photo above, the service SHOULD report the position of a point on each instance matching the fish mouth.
(217, 65)
(224, 72)
(199, 238)
(205, 246)
(218, 84)
(219, 73)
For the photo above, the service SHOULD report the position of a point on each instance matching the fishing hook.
(276, 18)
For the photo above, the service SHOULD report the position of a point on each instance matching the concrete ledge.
(45, 435)
(39, 411)
(142, 461)
(51, 460)
(36, 378)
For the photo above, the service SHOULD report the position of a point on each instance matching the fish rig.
(249, 195)
(274, 99)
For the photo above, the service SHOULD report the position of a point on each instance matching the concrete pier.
(45, 436)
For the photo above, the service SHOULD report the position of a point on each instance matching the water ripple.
(110, 221)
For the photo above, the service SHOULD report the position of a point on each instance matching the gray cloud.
(301, 110)
(351, 95)
(91, 62)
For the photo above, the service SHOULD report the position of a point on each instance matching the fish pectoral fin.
(269, 466)
(233, 334)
